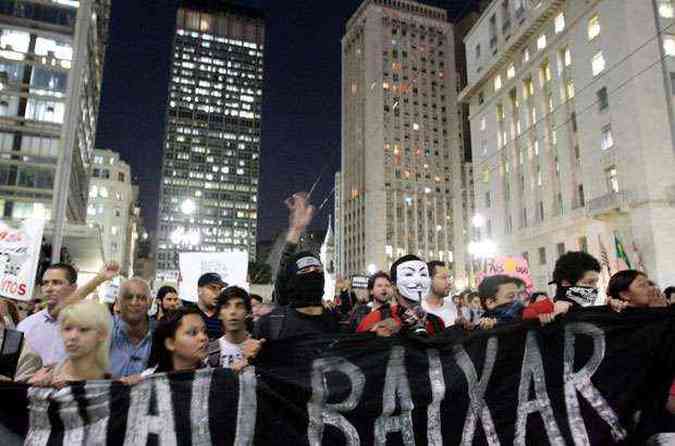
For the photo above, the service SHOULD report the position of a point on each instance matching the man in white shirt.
(436, 303)
(233, 306)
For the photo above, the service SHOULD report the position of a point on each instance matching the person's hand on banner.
(385, 328)
(617, 304)
(42, 378)
(131, 380)
(251, 347)
(546, 318)
(239, 365)
(486, 323)
(561, 307)
(329, 305)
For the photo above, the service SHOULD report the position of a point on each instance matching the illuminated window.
(511, 71)
(482, 124)
(541, 42)
(498, 82)
(612, 180)
(526, 56)
(598, 63)
(593, 27)
(559, 23)
(607, 140)
(669, 46)
(14, 40)
(666, 9)
(567, 57)
(569, 89)
(416, 126)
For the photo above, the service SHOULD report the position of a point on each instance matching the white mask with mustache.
(412, 280)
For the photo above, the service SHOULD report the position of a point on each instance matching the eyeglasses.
(137, 296)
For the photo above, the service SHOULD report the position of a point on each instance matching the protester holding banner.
(234, 309)
(85, 329)
(635, 288)
(179, 343)
(59, 286)
(132, 329)
(379, 294)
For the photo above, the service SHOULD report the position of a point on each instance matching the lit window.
(567, 57)
(607, 139)
(612, 180)
(416, 126)
(526, 56)
(482, 124)
(666, 9)
(511, 71)
(93, 191)
(669, 46)
(103, 192)
(114, 230)
(598, 63)
(569, 88)
(559, 23)
(498, 82)
(541, 42)
(593, 27)
(14, 40)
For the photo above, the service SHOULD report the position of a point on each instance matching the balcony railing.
(614, 202)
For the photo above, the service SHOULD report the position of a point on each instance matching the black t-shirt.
(286, 322)
(214, 326)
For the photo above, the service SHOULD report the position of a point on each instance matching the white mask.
(412, 280)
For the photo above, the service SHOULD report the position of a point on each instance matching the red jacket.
(533, 310)
(376, 316)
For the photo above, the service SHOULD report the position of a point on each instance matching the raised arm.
(108, 272)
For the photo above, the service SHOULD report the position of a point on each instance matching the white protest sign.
(19, 254)
(232, 267)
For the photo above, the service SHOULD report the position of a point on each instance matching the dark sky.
(301, 98)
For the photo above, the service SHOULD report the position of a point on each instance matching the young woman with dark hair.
(179, 342)
(635, 288)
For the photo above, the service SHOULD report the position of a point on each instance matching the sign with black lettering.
(595, 378)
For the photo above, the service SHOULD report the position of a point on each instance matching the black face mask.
(306, 290)
(580, 295)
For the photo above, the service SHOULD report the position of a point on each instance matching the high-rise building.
(400, 147)
(209, 178)
(339, 268)
(112, 206)
(574, 132)
(50, 85)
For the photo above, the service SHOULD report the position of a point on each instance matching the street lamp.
(188, 206)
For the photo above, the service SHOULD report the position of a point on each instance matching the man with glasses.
(132, 329)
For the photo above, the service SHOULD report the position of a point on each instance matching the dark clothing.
(433, 324)
(358, 314)
(505, 313)
(280, 294)
(287, 322)
(214, 326)
(346, 302)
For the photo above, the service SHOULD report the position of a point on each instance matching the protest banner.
(19, 255)
(593, 378)
(232, 267)
(514, 266)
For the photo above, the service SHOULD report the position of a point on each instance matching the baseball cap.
(211, 279)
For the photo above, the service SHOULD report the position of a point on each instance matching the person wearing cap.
(299, 289)
(209, 287)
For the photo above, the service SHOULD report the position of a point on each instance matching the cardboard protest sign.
(19, 255)
(514, 266)
(232, 267)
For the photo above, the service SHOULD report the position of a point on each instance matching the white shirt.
(43, 334)
(229, 352)
(447, 311)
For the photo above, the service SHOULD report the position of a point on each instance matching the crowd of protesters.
(68, 337)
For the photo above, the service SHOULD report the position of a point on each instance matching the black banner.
(594, 378)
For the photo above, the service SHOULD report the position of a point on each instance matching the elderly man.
(132, 329)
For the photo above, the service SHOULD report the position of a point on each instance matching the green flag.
(621, 254)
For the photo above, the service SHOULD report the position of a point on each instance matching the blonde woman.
(85, 328)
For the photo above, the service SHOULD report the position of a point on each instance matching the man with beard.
(380, 294)
(436, 302)
(167, 299)
(411, 277)
(59, 287)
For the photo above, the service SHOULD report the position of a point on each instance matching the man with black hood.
(299, 286)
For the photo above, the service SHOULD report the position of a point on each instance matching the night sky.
(301, 98)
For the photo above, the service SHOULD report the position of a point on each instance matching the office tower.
(209, 178)
(400, 149)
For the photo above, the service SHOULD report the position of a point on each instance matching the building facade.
(573, 131)
(399, 135)
(209, 181)
(50, 85)
(112, 207)
(339, 258)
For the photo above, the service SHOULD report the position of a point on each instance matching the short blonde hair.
(89, 313)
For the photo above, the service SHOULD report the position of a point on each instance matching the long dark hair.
(621, 281)
(166, 329)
